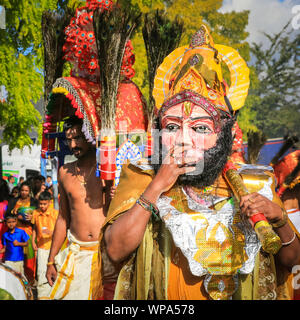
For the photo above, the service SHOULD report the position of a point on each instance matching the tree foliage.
(278, 90)
(226, 28)
(161, 37)
(21, 54)
(21, 67)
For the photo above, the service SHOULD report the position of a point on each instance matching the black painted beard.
(210, 166)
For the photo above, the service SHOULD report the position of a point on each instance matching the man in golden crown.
(175, 223)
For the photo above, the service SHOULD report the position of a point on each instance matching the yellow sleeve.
(34, 215)
(133, 182)
(55, 213)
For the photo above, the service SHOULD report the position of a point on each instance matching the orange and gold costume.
(201, 247)
(160, 270)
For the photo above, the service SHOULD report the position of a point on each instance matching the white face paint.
(190, 132)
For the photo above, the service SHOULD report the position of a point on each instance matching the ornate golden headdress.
(193, 73)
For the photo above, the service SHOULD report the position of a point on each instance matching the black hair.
(39, 177)
(71, 122)
(25, 183)
(4, 190)
(9, 215)
(15, 188)
(45, 195)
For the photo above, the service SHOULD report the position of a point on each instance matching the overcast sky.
(265, 15)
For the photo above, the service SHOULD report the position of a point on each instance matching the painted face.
(77, 142)
(189, 128)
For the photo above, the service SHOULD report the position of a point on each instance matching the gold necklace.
(84, 181)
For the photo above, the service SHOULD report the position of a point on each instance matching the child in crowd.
(43, 220)
(22, 207)
(15, 192)
(14, 240)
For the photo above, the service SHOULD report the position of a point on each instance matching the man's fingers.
(189, 161)
(184, 170)
(250, 208)
(249, 198)
(50, 281)
(252, 204)
(51, 275)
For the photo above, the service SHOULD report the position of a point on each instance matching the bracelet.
(50, 263)
(289, 242)
(281, 222)
(149, 206)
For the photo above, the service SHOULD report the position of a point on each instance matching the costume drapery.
(159, 270)
(202, 247)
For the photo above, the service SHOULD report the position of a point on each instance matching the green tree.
(226, 28)
(21, 53)
(21, 67)
(277, 93)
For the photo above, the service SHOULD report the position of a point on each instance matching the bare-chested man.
(82, 210)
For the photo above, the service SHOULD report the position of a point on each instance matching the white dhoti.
(18, 266)
(75, 266)
(43, 287)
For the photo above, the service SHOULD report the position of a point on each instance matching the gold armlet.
(281, 222)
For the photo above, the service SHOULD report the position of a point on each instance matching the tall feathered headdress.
(256, 140)
(99, 89)
(113, 29)
(53, 25)
(161, 37)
